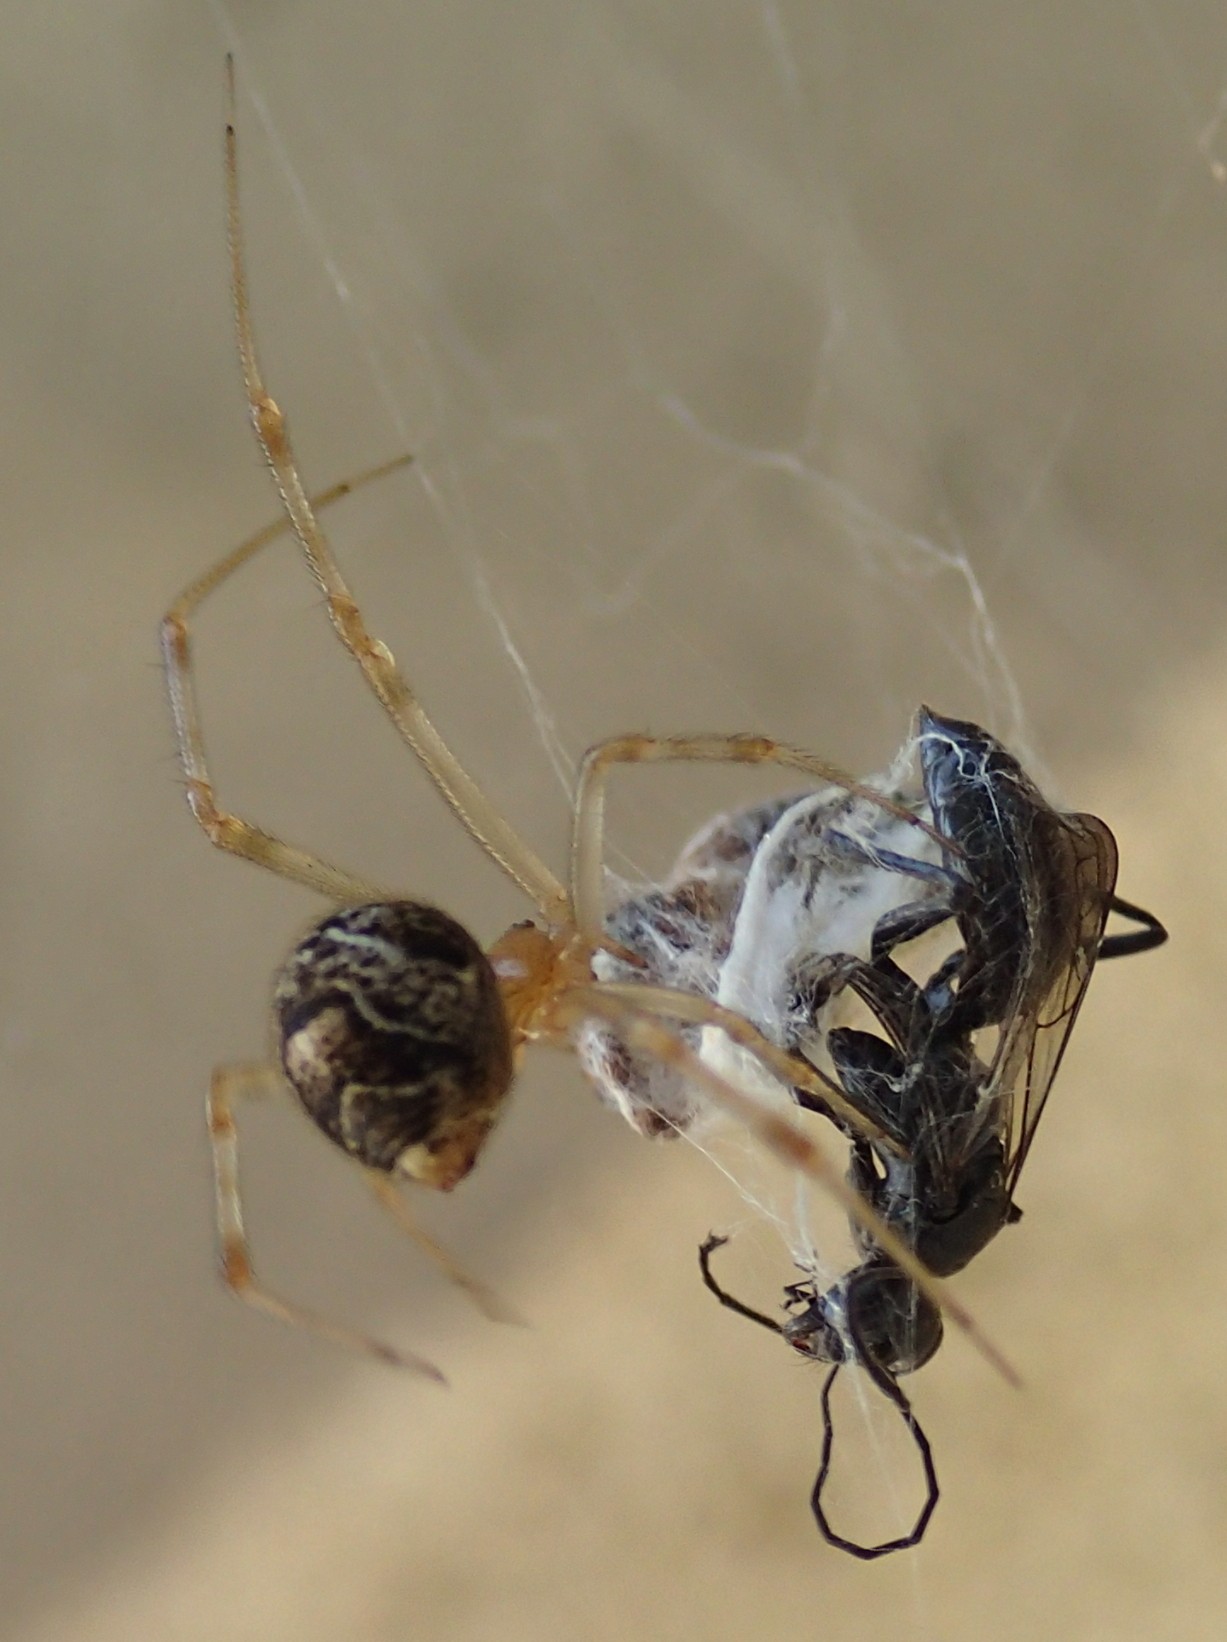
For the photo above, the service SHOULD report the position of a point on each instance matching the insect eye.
(393, 1036)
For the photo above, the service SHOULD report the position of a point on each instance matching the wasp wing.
(1071, 873)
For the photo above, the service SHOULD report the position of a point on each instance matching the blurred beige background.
(769, 365)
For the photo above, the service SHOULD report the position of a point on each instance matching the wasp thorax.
(394, 1038)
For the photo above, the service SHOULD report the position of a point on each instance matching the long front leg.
(641, 1029)
(389, 685)
(807, 1084)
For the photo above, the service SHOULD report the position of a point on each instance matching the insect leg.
(640, 1027)
(793, 1071)
(907, 923)
(929, 872)
(874, 1076)
(886, 989)
(1151, 934)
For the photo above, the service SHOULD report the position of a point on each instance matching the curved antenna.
(641, 1027)
(886, 1384)
(713, 1242)
(889, 1387)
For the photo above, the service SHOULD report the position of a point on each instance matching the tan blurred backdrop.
(744, 347)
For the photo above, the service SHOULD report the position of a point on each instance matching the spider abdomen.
(393, 1036)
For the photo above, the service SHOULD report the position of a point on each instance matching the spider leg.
(640, 1027)
(790, 1070)
(487, 1301)
(470, 805)
(230, 1084)
(588, 836)
(224, 830)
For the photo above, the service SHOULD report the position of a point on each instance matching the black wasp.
(960, 1076)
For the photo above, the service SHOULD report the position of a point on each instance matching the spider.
(397, 1033)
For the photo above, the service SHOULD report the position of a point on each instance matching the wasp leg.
(1151, 934)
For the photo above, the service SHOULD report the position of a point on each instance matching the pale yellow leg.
(469, 803)
(487, 1301)
(588, 835)
(229, 1085)
(224, 830)
(791, 1070)
(640, 1029)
